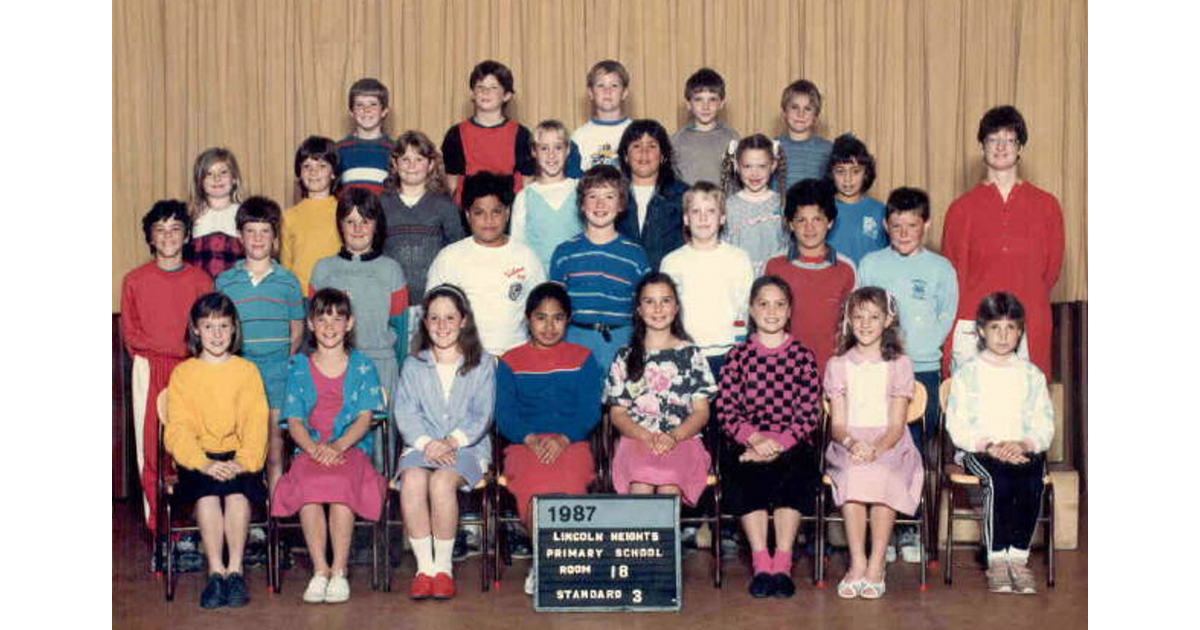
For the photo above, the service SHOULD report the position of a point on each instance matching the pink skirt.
(526, 475)
(354, 483)
(894, 479)
(685, 466)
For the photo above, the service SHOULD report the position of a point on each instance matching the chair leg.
(948, 560)
(819, 542)
(485, 581)
(715, 520)
(924, 537)
(1050, 538)
(169, 561)
(274, 554)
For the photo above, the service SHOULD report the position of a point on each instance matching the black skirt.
(790, 481)
(194, 485)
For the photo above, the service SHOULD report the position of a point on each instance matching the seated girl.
(443, 406)
(768, 405)
(216, 430)
(658, 389)
(875, 466)
(547, 402)
(1000, 417)
(332, 395)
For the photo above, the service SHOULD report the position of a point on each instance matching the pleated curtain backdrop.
(911, 78)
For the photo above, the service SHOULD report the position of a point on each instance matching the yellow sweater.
(216, 408)
(309, 233)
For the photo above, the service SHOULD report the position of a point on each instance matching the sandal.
(850, 590)
(872, 590)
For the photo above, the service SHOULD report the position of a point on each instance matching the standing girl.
(547, 402)
(768, 405)
(332, 395)
(859, 229)
(654, 217)
(752, 170)
(216, 430)
(658, 388)
(1000, 418)
(443, 403)
(216, 182)
(871, 457)
(421, 217)
(543, 213)
(375, 283)
(310, 228)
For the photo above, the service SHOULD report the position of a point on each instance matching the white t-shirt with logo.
(497, 280)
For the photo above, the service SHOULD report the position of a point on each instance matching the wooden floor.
(138, 601)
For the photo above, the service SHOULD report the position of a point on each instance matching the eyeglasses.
(367, 107)
(1001, 142)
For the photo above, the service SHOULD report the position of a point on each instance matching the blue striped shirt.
(266, 310)
(599, 278)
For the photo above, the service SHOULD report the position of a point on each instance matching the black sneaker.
(236, 593)
(762, 585)
(520, 547)
(214, 595)
(784, 586)
(466, 544)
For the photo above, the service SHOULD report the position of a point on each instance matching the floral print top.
(662, 399)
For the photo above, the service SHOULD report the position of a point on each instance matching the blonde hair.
(198, 201)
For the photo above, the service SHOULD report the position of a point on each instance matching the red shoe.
(422, 587)
(443, 586)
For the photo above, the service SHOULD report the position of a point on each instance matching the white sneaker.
(890, 555)
(530, 583)
(315, 593)
(910, 546)
(338, 590)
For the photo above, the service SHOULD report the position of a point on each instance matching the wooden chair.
(167, 517)
(955, 477)
(915, 413)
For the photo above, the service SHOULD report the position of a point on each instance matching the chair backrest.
(160, 404)
(944, 393)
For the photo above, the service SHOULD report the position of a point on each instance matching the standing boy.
(819, 277)
(713, 276)
(363, 155)
(156, 299)
(495, 272)
(807, 153)
(597, 139)
(488, 140)
(271, 309)
(600, 268)
(926, 291)
(701, 146)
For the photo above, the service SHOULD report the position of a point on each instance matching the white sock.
(997, 557)
(1018, 556)
(423, 550)
(443, 556)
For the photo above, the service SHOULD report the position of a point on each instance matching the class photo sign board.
(606, 553)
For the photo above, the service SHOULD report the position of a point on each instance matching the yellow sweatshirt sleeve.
(183, 426)
(253, 416)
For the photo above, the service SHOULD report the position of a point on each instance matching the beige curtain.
(909, 77)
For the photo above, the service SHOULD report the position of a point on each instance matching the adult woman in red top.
(1005, 234)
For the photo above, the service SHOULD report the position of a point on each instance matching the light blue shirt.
(926, 291)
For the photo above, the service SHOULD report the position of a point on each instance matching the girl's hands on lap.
(861, 451)
(535, 444)
(219, 471)
(326, 455)
(552, 447)
(441, 453)
(1009, 452)
(663, 443)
